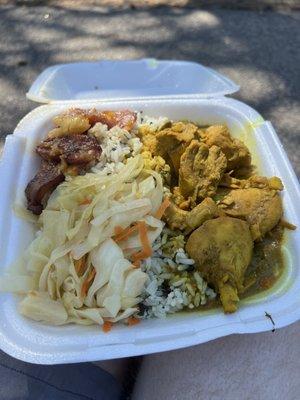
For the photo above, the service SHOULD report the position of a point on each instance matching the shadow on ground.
(260, 51)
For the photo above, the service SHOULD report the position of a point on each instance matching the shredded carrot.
(133, 321)
(146, 246)
(85, 202)
(126, 233)
(80, 266)
(137, 256)
(86, 284)
(106, 327)
(137, 264)
(123, 234)
(118, 230)
(164, 205)
(140, 255)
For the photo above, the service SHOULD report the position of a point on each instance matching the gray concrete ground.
(229, 4)
(259, 50)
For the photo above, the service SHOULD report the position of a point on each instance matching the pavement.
(258, 50)
(230, 4)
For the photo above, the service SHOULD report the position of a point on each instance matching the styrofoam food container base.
(39, 343)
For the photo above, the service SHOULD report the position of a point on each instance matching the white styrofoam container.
(39, 343)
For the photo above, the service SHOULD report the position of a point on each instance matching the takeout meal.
(140, 217)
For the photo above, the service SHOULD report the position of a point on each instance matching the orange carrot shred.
(146, 246)
(118, 230)
(164, 205)
(86, 284)
(140, 255)
(133, 321)
(137, 256)
(80, 266)
(136, 263)
(85, 202)
(126, 233)
(106, 327)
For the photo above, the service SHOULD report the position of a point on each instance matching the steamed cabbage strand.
(78, 224)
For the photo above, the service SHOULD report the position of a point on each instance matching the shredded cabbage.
(40, 307)
(78, 226)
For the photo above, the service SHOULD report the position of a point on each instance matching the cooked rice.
(117, 145)
(173, 283)
(153, 124)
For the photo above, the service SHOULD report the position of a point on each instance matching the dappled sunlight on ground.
(259, 51)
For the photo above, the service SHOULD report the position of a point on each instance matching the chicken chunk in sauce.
(254, 181)
(172, 142)
(187, 221)
(218, 199)
(261, 208)
(222, 249)
(236, 153)
(201, 169)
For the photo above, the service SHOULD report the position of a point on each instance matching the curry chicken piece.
(204, 211)
(261, 208)
(222, 250)
(171, 142)
(237, 154)
(177, 218)
(201, 169)
(254, 181)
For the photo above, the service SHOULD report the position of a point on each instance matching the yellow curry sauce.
(267, 263)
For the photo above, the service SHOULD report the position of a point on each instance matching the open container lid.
(129, 79)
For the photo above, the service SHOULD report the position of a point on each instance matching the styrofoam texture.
(40, 343)
(128, 78)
